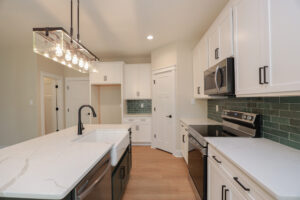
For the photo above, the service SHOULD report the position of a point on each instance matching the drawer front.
(128, 120)
(240, 180)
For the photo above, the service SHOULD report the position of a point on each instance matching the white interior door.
(77, 94)
(163, 116)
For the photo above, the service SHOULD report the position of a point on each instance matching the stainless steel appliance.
(219, 79)
(235, 124)
(96, 185)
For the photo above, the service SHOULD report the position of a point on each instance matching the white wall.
(180, 54)
(164, 56)
(18, 101)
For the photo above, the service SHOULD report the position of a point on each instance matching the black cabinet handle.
(226, 194)
(265, 74)
(198, 90)
(223, 187)
(215, 158)
(122, 174)
(183, 138)
(217, 53)
(237, 180)
(169, 116)
(260, 72)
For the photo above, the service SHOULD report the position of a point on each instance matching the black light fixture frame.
(48, 29)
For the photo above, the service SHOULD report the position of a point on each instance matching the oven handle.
(201, 148)
(216, 77)
(91, 187)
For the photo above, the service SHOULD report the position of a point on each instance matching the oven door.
(197, 165)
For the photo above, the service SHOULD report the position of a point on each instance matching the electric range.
(235, 124)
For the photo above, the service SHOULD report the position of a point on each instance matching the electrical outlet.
(142, 105)
(217, 108)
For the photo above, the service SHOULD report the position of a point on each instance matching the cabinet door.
(220, 186)
(226, 35)
(182, 135)
(131, 81)
(186, 146)
(117, 184)
(144, 81)
(107, 73)
(214, 47)
(251, 44)
(200, 64)
(216, 182)
(144, 132)
(285, 43)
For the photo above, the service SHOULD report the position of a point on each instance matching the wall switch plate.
(192, 101)
(217, 108)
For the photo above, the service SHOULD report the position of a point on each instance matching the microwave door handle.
(216, 78)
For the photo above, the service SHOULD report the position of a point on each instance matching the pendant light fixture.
(57, 44)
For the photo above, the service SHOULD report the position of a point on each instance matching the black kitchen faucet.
(80, 125)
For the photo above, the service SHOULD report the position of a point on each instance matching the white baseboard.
(177, 154)
(141, 144)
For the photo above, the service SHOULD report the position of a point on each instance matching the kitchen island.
(49, 167)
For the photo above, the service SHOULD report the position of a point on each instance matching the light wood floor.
(157, 175)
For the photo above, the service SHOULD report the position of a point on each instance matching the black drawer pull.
(214, 157)
(237, 180)
(183, 138)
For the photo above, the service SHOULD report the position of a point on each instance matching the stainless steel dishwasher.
(97, 183)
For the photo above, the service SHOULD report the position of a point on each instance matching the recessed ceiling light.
(150, 37)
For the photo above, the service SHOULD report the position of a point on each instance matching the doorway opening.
(52, 119)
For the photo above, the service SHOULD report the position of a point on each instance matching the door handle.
(260, 72)
(223, 187)
(265, 74)
(226, 190)
(169, 116)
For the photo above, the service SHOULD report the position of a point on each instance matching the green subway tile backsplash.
(139, 106)
(280, 115)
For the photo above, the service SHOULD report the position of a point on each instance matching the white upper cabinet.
(220, 37)
(285, 43)
(266, 47)
(200, 64)
(137, 81)
(251, 45)
(107, 73)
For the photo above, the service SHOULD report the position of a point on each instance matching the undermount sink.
(119, 140)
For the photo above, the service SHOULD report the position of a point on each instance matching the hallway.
(157, 175)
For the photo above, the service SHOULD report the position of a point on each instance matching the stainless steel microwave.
(219, 79)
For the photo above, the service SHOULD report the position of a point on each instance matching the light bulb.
(55, 59)
(94, 70)
(86, 66)
(69, 65)
(46, 55)
(81, 63)
(75, 60)
(58, 51)
(68, 55)
(63, 62)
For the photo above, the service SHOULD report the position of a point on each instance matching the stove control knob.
(249, 118)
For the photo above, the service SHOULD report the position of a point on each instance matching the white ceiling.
(111, 28)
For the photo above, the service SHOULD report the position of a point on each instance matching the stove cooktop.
(211, 131)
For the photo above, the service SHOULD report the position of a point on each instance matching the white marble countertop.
(199, 121)
(49, 167)
(274, 166)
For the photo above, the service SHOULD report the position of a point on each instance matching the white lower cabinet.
(227, 181)
(220, 187)
(184, 141)
(141, 129)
